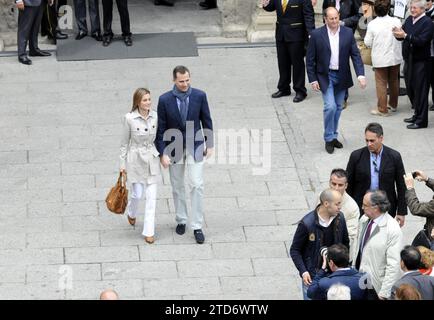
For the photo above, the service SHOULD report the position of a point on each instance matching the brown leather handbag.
(117, 198)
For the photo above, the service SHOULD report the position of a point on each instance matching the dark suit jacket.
(319, 53)
(349, 11)
(169, 117)
(323, 281)
(296, 23)
(423, 283)
(418, 40)
(391, 174)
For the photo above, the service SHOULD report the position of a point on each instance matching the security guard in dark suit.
(295, 21)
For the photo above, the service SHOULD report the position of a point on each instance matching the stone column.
(236, 16)
(262, 25)
(8, 25)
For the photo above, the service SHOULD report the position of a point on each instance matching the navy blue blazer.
(169, 117)
(323, 281)
(319, 53)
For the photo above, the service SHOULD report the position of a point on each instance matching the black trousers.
(29, 21)
(211, 3)
(49, 20)
(49, 23)
(417, 77)
(290, 57)
(107, 8)
(80, 16)
(432, 80)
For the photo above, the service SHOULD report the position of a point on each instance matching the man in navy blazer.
(338, 260)
(328, 69)
(184, 137)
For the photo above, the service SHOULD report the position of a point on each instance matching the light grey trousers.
(192, 172)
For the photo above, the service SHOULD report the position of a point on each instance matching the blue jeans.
(333, 101)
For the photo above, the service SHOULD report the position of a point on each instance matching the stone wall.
(8, 24)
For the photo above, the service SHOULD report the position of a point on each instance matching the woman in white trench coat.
(140, 159)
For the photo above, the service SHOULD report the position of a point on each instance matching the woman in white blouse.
(386, 57)
(140, 159)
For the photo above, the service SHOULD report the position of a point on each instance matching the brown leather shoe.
(149, 240)
(132, 221)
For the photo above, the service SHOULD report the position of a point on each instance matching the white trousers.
(194, 172)
(150, 191)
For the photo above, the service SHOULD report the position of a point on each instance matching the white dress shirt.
(334, 47)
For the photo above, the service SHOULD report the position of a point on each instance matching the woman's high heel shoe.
(132, 221)
(149, 240)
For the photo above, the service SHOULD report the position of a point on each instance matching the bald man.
(109, 294)
(322, 227)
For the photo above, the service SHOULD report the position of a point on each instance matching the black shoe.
(337, 144)
(279, 94)
(60, 35)
(299, 97)
(128, 41)
(80, 35)
(97, 36)
(199, 236)
(39, 53)
(330, 147)
(431, 108)
(180, 229)
(402, 92)
(415, 126)
(106, 40)
(163, 3)
(25, 60)
(410, 120)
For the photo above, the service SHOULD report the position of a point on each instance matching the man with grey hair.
(379, 244)
(320, 228)
(416, 35)
(339, 292)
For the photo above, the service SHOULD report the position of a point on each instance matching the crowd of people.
(394, 45)
(351, 245)
(43, 14)
(354, 236)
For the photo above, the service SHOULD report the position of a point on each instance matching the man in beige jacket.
(379, 243)
(339, 182)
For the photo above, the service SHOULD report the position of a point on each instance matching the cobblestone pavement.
(59, 146)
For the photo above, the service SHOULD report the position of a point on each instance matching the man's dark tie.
(367, 233)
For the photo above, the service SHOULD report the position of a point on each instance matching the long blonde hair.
(138, 96)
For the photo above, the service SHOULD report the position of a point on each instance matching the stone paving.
(59, 146)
